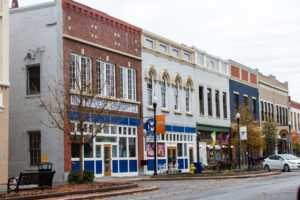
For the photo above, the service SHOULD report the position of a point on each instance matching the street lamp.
(198, 139)
(290, 138)
(155, 152)
(238, 116)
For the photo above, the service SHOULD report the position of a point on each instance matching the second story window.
(127, 83)
(163, 48)
(105, 78)
(150, 91)
(254, 108)
(164, 94)
(201, 100)
(187, 56)
(262, 111)
(176, 96)
(209, 102)
(224, 105)
(80, 73)
(33, 80)
(149, 43)
(217, 98)
(188, 98)
(236, 102)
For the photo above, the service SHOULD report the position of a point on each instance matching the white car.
(285, 162)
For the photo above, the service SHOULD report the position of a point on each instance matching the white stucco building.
(168, 74)
(213, 106)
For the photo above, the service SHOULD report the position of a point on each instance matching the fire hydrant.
(192, 169)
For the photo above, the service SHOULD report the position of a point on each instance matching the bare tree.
(77, 109)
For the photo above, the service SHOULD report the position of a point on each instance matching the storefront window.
(75, 150)
(114, 151)
(106, 139)
(132, 152)
(113, 130)
(120, 130)
(122, 147)
(134, 131)
(162, 136)
(106, 130)
(185, 149)
(179, 149)
(98, 151)
(129, 131)
(88, 150)
(124, 130)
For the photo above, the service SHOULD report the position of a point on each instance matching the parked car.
(285, 162)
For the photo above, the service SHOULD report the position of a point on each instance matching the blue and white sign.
(150, 126)
(150, 138)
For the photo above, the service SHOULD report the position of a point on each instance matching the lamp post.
(198, 139)
(290, 138)
(155, 151)
(238, 116)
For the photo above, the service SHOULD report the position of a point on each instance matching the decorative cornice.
(100, 16)
(100, 46)
(272, 86)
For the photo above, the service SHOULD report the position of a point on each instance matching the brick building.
(274, 105)
(57, 38)
(295, 125)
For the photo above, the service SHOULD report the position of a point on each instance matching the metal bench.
(43, 178)
(224, 166)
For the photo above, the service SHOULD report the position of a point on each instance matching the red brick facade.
(253, 79)
(235, 72)
(245, 75)
(99, 36)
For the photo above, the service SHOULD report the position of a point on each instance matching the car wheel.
(286, 168)
(267, 168)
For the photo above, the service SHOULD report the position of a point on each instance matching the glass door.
(172, 157)
(107, 160)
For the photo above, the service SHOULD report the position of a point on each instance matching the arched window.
(176, 95)
(188, 98)
(150, 89)
(164, 94)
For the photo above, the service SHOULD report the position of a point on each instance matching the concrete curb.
(61, 194)
(115, 194)
(207, 177)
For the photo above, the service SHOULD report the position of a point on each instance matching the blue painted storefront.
(242, 89)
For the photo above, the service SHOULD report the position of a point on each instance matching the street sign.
(150, 126)
(243, 133)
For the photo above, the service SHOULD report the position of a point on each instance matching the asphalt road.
(278, 187)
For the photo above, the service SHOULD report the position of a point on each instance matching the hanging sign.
(243, 133)
(150, 126)
(160, 124)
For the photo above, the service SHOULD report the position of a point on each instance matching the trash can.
(45, 167)
(198, 167)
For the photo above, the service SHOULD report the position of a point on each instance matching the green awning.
(211, 128)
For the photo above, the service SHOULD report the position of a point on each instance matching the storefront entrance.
(107, 160)
(172, 157)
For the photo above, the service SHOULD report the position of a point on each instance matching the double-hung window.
(35, 147)
(150, 90)
(188, 98)
(224, 105)
(164, 93)
(176, 95)
(105, 78)
(217, 99)
(201, 100)
(80, 73)
(209, 101)
(127, 83)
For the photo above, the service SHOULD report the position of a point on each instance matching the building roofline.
(295, 104)
(209, 55)
(91, 12)
(243, 66)
(32, 7)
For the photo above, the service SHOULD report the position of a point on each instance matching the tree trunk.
(80, 180)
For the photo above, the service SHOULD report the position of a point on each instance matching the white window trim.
(77, 73)
(166, 93)
(163, 45)
(103, 90)
(125, 86)
(151, 77)
(176, 88)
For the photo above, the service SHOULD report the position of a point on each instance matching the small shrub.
(88, 176)
(228, 172)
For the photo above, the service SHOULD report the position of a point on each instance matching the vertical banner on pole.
(160, 124)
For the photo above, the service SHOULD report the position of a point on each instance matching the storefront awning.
(205, 127)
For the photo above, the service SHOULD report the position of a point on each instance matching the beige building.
(274, 105)
(4, 89)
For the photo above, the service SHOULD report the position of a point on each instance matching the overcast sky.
(263, 34)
